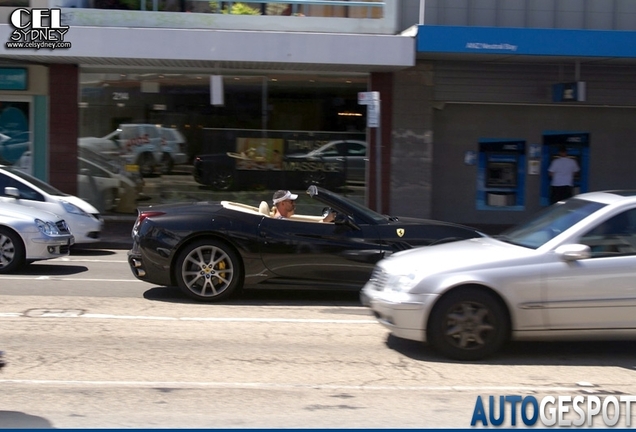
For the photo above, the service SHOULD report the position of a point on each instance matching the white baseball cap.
(283, 195)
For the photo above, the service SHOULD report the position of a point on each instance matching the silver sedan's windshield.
(550, 222)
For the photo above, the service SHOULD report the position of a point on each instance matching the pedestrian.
(562, 170)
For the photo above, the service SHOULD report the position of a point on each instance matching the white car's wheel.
(167, 164)
(146, 164)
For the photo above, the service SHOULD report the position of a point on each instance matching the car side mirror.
(573, 252)
(12, 192)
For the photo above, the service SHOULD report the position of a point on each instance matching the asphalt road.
(89, 346)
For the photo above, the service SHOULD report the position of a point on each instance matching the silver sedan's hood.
(474, 253)
(21, 212)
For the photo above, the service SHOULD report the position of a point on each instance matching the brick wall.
(63, 127)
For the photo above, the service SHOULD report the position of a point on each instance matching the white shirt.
(563, 169)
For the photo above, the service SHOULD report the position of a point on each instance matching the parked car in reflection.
(213, 249)
(232, 171)
(351, 153)
(18, 187)
(99, 182)
(567, 273)
(28, 234)
(174, 149)
(154, 149)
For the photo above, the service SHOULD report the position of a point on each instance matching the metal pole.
(378, 162)
(422, 11)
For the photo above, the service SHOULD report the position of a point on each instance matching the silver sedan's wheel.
(12, 254)
(208, 270)
(468, 324)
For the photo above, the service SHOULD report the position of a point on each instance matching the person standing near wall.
(562, 170)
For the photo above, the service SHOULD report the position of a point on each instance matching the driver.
(285, 206)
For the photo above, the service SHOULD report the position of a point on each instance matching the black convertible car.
(213, 249)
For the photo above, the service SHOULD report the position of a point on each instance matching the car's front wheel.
(146, 162)
(468, 324)
(208, 270)
(12, 253)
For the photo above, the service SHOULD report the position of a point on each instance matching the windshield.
(550, 222)
(335, 200)
(35, 182)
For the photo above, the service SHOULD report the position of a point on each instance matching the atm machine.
(501, 174)
(578, 147)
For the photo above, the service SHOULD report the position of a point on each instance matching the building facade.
(475, 95)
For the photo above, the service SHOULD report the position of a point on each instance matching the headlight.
(72, 208)
(47, 228)
(402, 283)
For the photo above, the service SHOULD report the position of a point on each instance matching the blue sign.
(13, 79)
(526, 41)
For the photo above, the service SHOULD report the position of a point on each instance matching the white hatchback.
(20, 188)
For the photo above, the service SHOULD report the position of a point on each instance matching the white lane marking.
(210, 319)
(88, 260)
(257, 385)
(57, 278)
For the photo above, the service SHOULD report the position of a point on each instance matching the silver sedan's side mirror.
(12, 192)
(573, 252)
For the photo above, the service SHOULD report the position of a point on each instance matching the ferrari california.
(213, 249)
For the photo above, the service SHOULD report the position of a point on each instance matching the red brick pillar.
(63, 126)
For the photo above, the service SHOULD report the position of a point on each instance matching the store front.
(196, 135)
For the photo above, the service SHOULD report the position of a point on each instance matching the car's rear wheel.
(317, 178)
(468, 324)
(221, 179)
(167, 164)
(12, 252)
(208, 270)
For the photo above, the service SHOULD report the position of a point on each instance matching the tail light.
(143, 215)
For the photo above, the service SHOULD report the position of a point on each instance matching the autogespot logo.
(561, 411)
(37, 28)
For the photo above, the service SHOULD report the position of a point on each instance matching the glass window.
(615, 236)
(243, 146)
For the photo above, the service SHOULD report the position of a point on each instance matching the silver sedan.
(28, 234)
(568, 273)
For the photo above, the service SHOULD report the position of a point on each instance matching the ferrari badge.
(400, 232)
